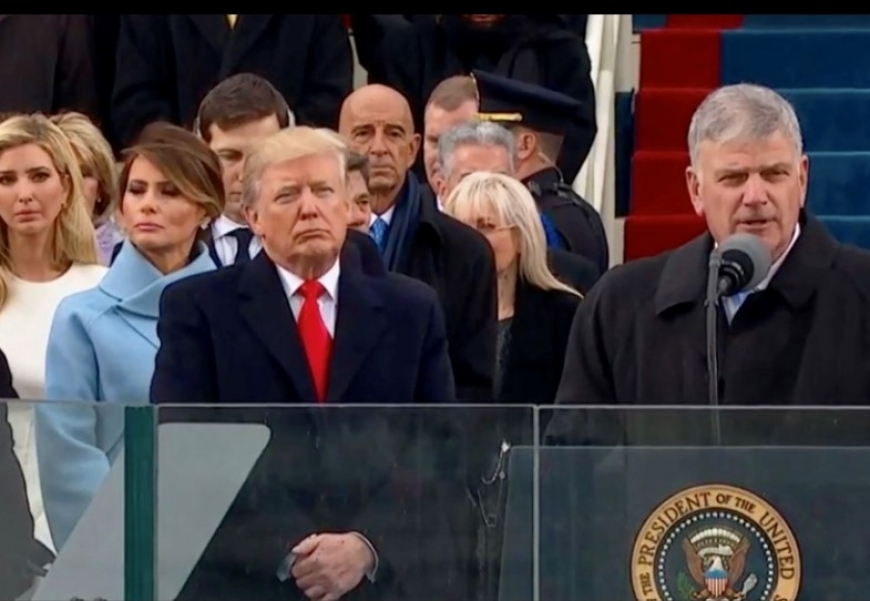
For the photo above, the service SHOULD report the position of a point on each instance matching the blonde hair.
(513, 206)
(334, 137)
(183, 159)
(287, 145)
(72, 236)
(95, 157)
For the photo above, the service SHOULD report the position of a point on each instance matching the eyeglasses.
(488, 228)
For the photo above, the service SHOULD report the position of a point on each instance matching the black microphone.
(740, 263)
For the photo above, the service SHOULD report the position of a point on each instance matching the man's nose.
(755, 190)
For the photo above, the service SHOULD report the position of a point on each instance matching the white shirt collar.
(386, 216)
(329, 280)
(775, 267)
(223, 225)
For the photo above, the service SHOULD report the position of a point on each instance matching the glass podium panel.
(61, 503)
(697, 505)
(266, 502)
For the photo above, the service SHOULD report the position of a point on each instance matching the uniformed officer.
(538, 118)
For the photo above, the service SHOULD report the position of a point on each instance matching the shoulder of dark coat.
(854, 263)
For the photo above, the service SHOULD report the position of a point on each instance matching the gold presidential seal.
(715, 543)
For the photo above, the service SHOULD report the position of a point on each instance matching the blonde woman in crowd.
(47, 252)
(97, 164)
(103, 341)
(535, 310)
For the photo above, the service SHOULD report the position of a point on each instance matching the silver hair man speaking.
(801, 336)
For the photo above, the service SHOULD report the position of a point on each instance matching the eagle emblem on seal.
(716, 558)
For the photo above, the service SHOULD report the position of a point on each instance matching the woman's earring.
(204, 225)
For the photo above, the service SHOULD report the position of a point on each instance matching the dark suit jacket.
(458, 263)
(574, 270)
(168, 63)
(50, 59)
(16, 526)
(230, 337)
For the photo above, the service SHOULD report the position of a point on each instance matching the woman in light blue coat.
(103, 341)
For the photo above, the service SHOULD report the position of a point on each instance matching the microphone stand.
(711, 306)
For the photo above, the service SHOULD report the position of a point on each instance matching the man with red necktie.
(302, 323)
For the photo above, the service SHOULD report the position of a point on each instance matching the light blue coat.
(101, 349)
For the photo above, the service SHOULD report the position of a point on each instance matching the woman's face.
(157, 217)
(91, 191)
(32, 191)
(501, 237)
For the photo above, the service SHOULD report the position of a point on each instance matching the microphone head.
(750, 253)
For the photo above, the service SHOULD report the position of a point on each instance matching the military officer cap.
(511, 102)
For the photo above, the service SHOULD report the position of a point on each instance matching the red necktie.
(315, 336)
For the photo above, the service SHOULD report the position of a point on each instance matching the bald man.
(417, 240)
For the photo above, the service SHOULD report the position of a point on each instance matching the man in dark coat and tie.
(338, 505)
(418, 240)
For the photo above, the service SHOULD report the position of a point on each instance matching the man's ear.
(415, 142)
(526, 143)
(252, 216)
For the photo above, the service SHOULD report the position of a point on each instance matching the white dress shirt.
(733, 303)
(328, 303)
(386, 216)
(225, 245)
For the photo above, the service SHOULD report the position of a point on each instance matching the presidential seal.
(715, 543)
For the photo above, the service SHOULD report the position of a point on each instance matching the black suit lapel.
(360, 321)
(267, 310)
(214, 28)
(247, 31)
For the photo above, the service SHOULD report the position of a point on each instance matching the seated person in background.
(48, 64)
(538, 118)
(482, 146)
(453, 101)
(235, 116)
(536, 48)
(103, 341)
(16, 525)
(97, 163)
(303, 323)
(358, 180)
(47, 252)
(535, 310)
(418, 240)
(166, 64)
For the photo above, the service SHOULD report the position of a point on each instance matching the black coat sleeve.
(75, 82)
(369, 33)
(16, 525)
(473, 347)
(587, 376)
(144, 89)
(328, 75)
(184, 370)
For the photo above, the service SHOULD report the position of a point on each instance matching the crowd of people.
(273, 237)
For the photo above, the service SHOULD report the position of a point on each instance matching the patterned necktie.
(315, 336)
(378, 232)
(243, 238)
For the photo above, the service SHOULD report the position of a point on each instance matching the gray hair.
(743, 111)
(474, 133)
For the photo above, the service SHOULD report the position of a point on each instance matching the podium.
(689, 524)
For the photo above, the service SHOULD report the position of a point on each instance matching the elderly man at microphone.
(789, 306)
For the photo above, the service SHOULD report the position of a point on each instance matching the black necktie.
(243, 238)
